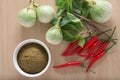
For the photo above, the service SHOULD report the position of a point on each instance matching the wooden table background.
(11, 34)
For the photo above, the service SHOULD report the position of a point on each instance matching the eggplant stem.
(31, 1)
(35, 4)
(31, 4)
(58, 21)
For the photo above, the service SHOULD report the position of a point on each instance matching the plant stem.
(89, 31)
(110, 47)
(87, 38)
(103, 32)
(31, 2)
(58, 22)
(92, 23)
(36, 5)
(109, 38)
(88, 20)
(87, 68)
(31, 6)
(91, 2)
(112, 33)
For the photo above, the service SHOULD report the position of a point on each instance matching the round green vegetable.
(54, 34)
(45, 13)
(27, 17)
(101, 11)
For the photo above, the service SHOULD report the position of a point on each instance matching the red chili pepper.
(83, 55)
(70, 53)
(99, 50)
(92, 48)
(88, 44)
(95, 59)
(102, 48)
(73, 63)
(72, 45)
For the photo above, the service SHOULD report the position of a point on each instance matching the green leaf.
(60, 11)
(70, 18)
(73, 18)
(68, 37)
(79, 25)
(59, 2)
(53, 22)
(81, 41)
(69, 5)
(65, 21)
(83, 6)
(71, 26)
(77, 10)
(61, 7)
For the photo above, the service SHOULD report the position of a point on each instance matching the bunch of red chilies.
(93, 50)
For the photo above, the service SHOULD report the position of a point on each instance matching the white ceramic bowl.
(16, 53)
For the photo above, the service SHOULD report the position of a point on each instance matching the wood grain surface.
(12, 33)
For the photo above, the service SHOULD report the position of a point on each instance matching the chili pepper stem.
(92, 34)
(99, 34)
(83, 66)
(110, 47)
(112, 33)
(94, 60)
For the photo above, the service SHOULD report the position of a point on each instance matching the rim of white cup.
(19, 46)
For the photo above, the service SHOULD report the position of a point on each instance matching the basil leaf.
(81, 41)
(77, 10)
(79, 25)
(60, 11)
(72, 18)
(68, 37)
(70, 24)
(71, 27)
(69, 5)
(53, 22)
(61, 4)
(83, 6)
(58, 2)
(65, 21)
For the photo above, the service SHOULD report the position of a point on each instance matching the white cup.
(16, 54)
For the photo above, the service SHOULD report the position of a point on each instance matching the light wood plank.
(11, 33)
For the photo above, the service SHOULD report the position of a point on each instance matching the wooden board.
(11, 34)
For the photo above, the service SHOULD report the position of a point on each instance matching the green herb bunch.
(76, 13)
(70, 24)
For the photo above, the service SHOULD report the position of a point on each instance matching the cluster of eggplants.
(28, 16)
